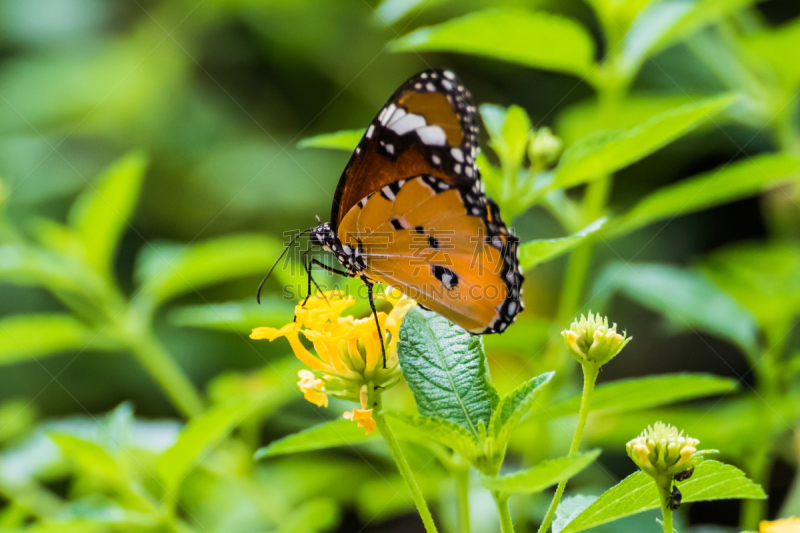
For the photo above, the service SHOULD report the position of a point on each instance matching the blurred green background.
(216, 94)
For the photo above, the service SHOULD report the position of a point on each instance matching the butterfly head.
(323, 236)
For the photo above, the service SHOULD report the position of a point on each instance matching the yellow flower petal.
(271, 334)
(363, 417)
(787, 525)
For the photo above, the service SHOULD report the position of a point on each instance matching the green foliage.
(541, 476)
(689, 300)
(27, 337)
(102, 213)
(640, 393)
(320, 437)
(539, 251)
(732, 182)
(609, 151)
(168, 270)
(341, 140)
(200, 435)
(514, 406)
(518, 36)
(711, 480)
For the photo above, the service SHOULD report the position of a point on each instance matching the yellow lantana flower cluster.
(349, 361)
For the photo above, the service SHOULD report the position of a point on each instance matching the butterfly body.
(410, 210)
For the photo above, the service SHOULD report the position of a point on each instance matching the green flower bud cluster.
(664, 452)
(590, 340)
(544, 149)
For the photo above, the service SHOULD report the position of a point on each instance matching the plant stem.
(501, 500)
(462, 499)
(152, 355)
(666, 513)
(403, 466)
(590, 372)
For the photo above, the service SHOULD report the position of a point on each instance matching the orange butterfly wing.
(442, 245)
(428, 126)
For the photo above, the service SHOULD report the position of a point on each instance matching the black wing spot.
(448, 278)
(433, 241)
(396, 224)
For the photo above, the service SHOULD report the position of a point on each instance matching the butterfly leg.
(375, 314)
(307, 264)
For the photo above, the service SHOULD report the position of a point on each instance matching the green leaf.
(687, 298)
(770, 46)
(326, 435)
(637, 493)
(26, 265)
(422, 429)
(535, 39)
(514, 406)
(508, 130)
(88, 457)
(723, 185)
(583, 118)
(541, 476)
(761, 277)
(196, 441)
(167, 270)
(569, 508)
(446, 369)
(668, 22)
(237, 316)
(635, 394)
(102, 213)
(606, 152)
(346, 140)
(16, 417)
(24, 338)
(536, 252)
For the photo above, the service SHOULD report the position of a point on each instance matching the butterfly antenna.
(261, 285)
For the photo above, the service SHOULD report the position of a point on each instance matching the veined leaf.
(422, 429)
(716, 187)
(637, 493)
(102, 213)
(541, 476)
(323, 436)
(514, 406)
(239, 316)
(167, 270)
(635, 394)
(533, 253)
(535, 39)
(446, 369)
(687, 298)
(606, 152)
(27, 337)
(569, 508)
(346, 140)
(195, 441)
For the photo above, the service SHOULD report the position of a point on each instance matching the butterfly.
(410, 211)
